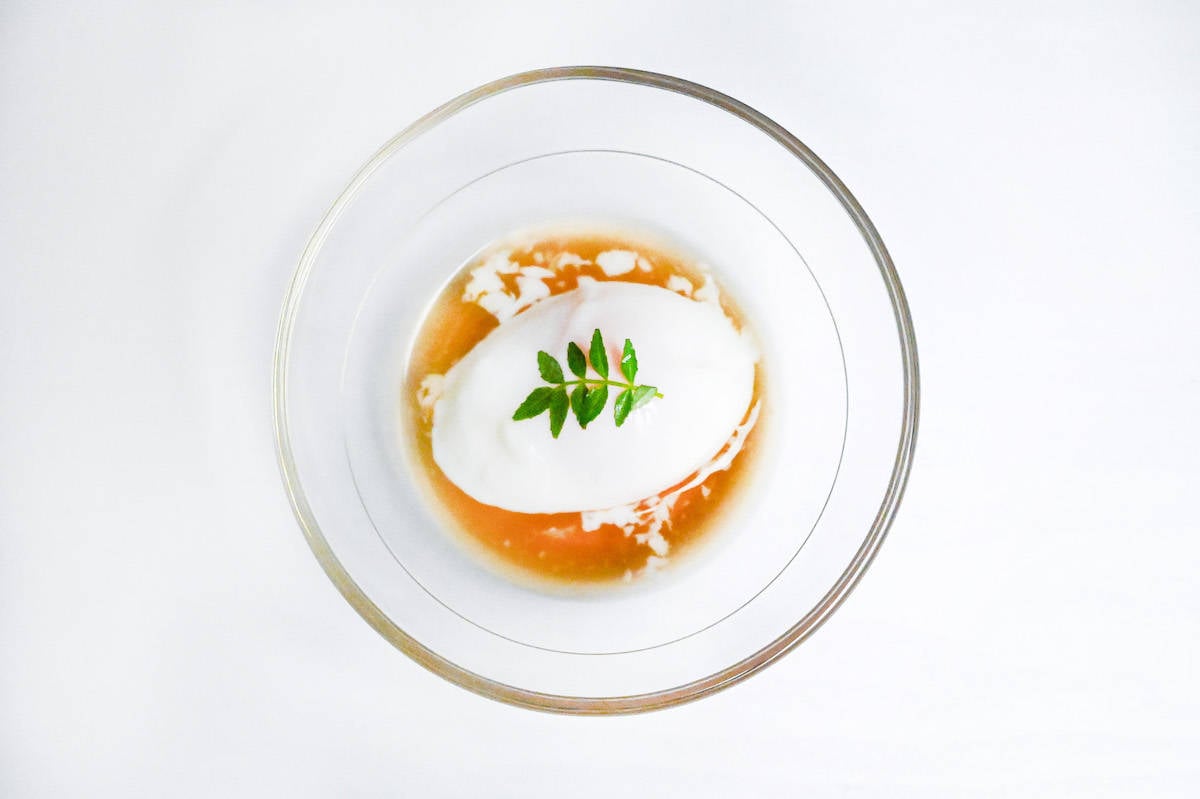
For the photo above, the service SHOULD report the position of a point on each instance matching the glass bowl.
(614, 147)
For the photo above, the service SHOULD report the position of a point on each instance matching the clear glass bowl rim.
(734, 673)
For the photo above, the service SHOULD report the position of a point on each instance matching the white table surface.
(1030, 627)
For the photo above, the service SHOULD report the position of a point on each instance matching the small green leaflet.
(642, 395)
(585, 397)
(598, 355)
(550, 368)
(575, 360)
(622, 406)
(537, 401)
(593, 405)
(558, 410)
(629, 361)
(578, 399)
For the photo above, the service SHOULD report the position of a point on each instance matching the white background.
(1030, 626)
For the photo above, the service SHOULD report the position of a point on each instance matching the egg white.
(688, 349)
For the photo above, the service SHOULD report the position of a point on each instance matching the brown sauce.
(554, 547)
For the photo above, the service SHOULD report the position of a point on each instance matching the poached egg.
(690, 350)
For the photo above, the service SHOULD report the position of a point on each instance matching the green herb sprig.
(587, 395)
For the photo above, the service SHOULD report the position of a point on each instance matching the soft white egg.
(689, 350)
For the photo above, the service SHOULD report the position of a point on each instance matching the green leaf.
(575, 360)
(598, 355)
(586, 397)
(537, 401)
(593, 404)
(549, 368)
(642, 395)
(578, 400)
(558, 410)
(629, 361)
(622, 406)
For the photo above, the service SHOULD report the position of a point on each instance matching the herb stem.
(586, 382)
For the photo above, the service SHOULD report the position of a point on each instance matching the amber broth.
(554, 547)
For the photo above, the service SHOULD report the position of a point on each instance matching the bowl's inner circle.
(748, 254)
